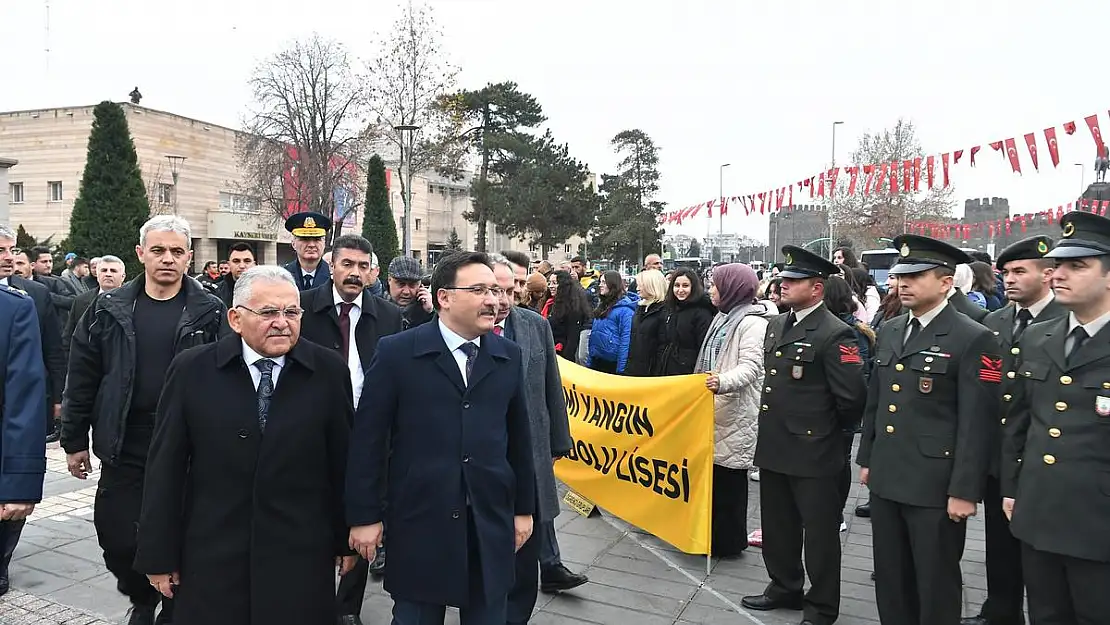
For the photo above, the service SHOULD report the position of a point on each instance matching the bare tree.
(863, 218)
(407, 78)
(305, 134)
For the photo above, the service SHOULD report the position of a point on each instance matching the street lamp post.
(175, 166)
(406, 220)
(828, 208)
(1082, 176)
(721, 195)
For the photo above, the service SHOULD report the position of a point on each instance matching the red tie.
(345, 327)
(497, 330)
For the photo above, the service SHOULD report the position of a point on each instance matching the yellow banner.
(643, 450)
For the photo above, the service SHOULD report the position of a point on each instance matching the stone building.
(804, 225)
(5, 190)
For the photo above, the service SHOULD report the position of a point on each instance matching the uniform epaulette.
(14, 291)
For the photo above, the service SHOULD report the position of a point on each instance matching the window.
(566, 248)
(165, 193)
(417, 224)
(237, 203)
(55, 190)
(15, 193)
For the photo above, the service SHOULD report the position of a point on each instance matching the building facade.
(802, 225)
(5, 190)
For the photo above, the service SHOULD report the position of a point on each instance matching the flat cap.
(917, 253)
(405, 269)
(1085, 234)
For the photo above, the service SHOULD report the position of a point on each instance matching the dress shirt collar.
(250, 357)
(803, 313)
(337, 299)
(926, 318)
(1092, 328)
(453, 340)
(1037, 308)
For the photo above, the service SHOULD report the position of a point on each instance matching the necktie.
(498, 330)
(1023, 319)
(471, 351)
(791, 319)
(915, 329)
(307, 281)
(1079, 336)
(345, 327)
(265, 390)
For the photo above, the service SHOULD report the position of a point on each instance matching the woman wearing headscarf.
(648, 326)
(732, 355)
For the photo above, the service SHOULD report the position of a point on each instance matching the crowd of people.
(259, 428)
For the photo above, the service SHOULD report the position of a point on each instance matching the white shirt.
(453, 342)
(354, 363)
(1038, 308)
(250, 357)
(4, 282)
(803, 313)
(926, 318)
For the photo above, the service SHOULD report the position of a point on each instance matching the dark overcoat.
(458, 451)
(253, 521)
(22, 401)
(320, 323)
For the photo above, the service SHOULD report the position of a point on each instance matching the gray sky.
(753, 83)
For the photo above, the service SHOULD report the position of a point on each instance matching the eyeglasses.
(273, 314)
(480, 290)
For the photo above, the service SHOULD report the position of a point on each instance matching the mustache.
(489, 311)
(353, 280)
(279, 333)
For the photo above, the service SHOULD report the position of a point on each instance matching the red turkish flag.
(917, 174)
(870, 171)
(929, 164)
(790, 202)
(1092, 123)
(762, 203)
(832, 174)
(854, 172)
(996, 146)
(1053, 147)
(724, 206)
(1031, 143)
(958, 154)
(1069, 127)
(893, 178)
(709, 208)
(944, 165)
(882, 178)
(821, 186)
(907, 172)
(974, 151)
(1011, 152)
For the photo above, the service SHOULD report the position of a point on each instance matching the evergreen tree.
(377, 222)
(453, 240)
(23, 239)
(111, 204)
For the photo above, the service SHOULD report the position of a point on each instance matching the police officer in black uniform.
(1027, 275)
(813, 391)
(926, 437)
(1056, 446)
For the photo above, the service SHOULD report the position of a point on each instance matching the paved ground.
(58, 575)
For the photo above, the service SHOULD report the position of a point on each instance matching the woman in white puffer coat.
(732, 355)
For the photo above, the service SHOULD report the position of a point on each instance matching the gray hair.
(108, 259)
(97, 259)
(6, 232)
(498, 259)
(260, 273)
(373, 261)
(166, 223)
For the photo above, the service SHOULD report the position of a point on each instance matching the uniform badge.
(925, 384)
(796, 373)
(1102, 406)
(1069, 229)
(849, 355)
(1042, 247)
(905, 251)
(789, 258)
(990, 369)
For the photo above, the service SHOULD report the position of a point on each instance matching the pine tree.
(453, 240)
(377, 222)
(23, 239)
(111, 204)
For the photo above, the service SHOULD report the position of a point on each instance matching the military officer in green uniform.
(1056, 441)
(813, 392)
(1027, 275)
(925, 446)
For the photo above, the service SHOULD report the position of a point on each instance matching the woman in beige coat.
(732, 355)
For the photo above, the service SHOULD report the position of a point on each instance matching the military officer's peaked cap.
(1033, 248)
(801, 263)
(917, 253)
(1085, 234)
(308, 225)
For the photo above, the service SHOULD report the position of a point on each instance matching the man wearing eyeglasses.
(460, 484)
(119, 355)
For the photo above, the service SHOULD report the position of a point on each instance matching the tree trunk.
(480, 208)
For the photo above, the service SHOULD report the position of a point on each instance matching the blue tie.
(471, 351)
(265, 390)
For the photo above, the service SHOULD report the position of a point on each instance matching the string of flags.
(906, 176)
(1007, 226)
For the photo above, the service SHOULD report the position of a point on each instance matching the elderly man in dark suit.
(449, 400)
(22, 402)
(242, 515)
(550, 429)
(345, 316)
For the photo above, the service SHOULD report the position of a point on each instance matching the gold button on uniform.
(1003, 420)
(895, 388)
(778, 354)
(1065, 379)
(765, 407)
(1015, 350)
(809, 432)
(890, 429)
(1007, 397)
(928, 359)
(892, 408)
(1011, 374)
(1054, 432)
(1106, 385)
(768, 389)
(898, 367)
(1061, 406)
(1049, 459)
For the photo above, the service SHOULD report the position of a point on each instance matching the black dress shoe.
(764, 603)
(377, 567)
(560, 578)
(54, 436)
(139, 615)
(350, 619)
(863, 511)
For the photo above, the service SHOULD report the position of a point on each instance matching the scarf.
(719, 331)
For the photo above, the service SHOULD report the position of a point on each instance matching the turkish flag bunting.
(870, 171)
(1011, 152)
(893, 178)
(1092, 123)
(996, 146)
(907, 171)
(944, 166)
(790, 202)
(1102, 208)
(958, 154)
(709, 209)
(854, 172)
(974, 151)
(724, 206)
(916, 174)
(821, 186)
(762, 203)
(1031, 143)
(832, 174)
(780, 195)
(929, 163)
(1069, 128)
(1053, 147)
(882, 178)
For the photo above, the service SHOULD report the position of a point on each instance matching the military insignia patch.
(849, 355)
(309, 222)
(990, 369)
(1102, 406)
(925, 385)
(1069, 230)
(905, 251)
(796, 372)
(1042, 247)
(789, 259)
